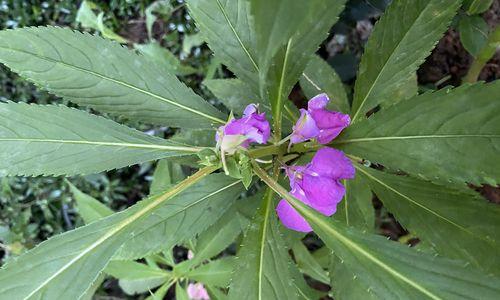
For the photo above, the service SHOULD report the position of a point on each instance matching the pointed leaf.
(57, 140)
(75, 258)
(94, 72)
(401, 40)
(446, 136)
(89, 208)
(216, 273)
(136, 278)
(166, 173)
(445, 218)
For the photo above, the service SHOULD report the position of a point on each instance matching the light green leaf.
(356, 209)
(101, 74)
(447, 219)
(264, 258)
(190, 41)
(136, 278)
(216, 273)
(163, 58)
(89, 293)
(446, 136)
(392, 270)
(228, 29)
(88, 19)
(160, 293)
(400, 42)
(319, 77)
(89, 208)
(55, 140)
(477, 6)
(278, 77)
(308, 264)
(473, 33)
(167, 172)
(160, 6)
(75, 258)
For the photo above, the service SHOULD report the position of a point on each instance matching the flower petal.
(332, 163)
(323, 194)
(305, 128)
(250, 109)
(330, 124)
(318, 102)
(291, 218)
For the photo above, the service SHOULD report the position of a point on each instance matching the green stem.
(484, 56)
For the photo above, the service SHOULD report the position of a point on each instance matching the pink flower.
(317, 185)
(318, 122)
(239, 133)
(196, 291)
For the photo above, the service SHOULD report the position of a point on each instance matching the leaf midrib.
(97, 143)
(414, 137)
(361, 105)
(267, 198)
(130, 86)
(120, 226)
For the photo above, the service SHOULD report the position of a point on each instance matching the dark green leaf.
(57, 140)
(319, 77)
(477, 6)
(458, 225)
(446, 136)
(473, 33)
(400, 42)
(101, 74)
(264, 259)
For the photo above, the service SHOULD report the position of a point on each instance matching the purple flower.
(239, 133)
(317, 185)
(197, 291)
(318, 122)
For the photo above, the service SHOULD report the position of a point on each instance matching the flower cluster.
(317, 184)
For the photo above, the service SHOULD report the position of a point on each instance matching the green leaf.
(346, 285)
(227, 27)
(477, 6)
(167, 172)
(278, 77)
(216, 273)
(89, 208)
(163, 58)
(136, 278)
(91, 71)
(356, 209)
(392, 270)
(319, 77)
(56, 140)
(160, 293)
(88, 19)
(190, 41)
(308, 264)
(264, 258)
(473, 33)
(445, 218)
(75, 258)
(446, 136)
(400, 42)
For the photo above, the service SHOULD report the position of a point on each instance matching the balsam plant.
(417, 152)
